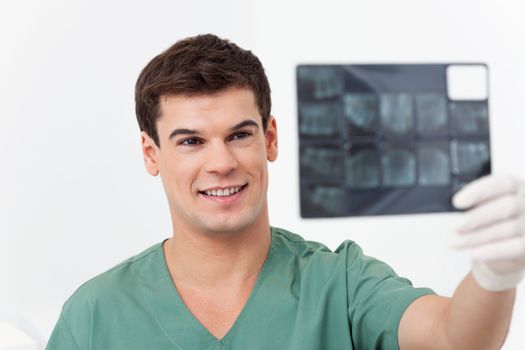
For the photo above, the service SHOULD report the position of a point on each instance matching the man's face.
(213, 159)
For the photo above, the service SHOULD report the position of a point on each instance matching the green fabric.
(306, 297)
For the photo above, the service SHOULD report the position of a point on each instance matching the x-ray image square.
(322, 162)
(328, 200)
(458, 184)
(320, 119)
(383, 139)
(434, 164)
(321, 82)
(363, 169)
(399, 167)
(472, 157)
(431, 111)
(470, 117)
(397, 114)
(361, 112)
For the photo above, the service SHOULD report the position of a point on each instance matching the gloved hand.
(493, 230)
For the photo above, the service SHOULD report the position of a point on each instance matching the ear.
(271, 139)
(150, 152)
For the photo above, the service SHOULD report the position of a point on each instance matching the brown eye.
(190, 142)
(241, 135)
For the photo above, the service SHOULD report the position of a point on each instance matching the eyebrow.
(247, 122)
(240, 125)
(182, 132)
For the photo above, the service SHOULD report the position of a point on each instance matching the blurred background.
(74, 197)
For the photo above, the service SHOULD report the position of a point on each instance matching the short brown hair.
(203, 64)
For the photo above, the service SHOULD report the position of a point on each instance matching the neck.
(208, 261)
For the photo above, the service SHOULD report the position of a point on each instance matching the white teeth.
(223, 192)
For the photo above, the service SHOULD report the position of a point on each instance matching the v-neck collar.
(174, 317)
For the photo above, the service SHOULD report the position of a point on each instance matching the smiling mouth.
(223, 192)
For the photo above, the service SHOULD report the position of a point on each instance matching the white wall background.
(74, 198)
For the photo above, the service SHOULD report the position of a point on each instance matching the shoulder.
(113, 283)
(297, 244)
(98, 303)
(288, 241)
(314, 257)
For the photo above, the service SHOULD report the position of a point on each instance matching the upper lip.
(221, 187)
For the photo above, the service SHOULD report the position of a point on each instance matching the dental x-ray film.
(390, 138)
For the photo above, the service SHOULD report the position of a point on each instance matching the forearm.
(476, 318)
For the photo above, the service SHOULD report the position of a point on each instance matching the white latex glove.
(493, 230)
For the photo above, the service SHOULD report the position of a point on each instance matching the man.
(227, 280)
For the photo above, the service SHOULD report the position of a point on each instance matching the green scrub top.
(306, 297)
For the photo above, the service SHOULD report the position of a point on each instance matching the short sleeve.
(61, 337)
(377, 299)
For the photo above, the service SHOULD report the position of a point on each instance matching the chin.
(228, 225)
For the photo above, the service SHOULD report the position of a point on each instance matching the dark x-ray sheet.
(386, 139)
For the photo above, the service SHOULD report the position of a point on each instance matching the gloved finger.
(499, 231)
(484, 189)
(508, 249)
(496, 210)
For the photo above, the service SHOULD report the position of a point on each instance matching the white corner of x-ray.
(12, 338)
(467, 82)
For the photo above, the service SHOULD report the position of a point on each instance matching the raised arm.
(478, 314)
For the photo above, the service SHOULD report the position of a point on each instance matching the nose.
(220, 159)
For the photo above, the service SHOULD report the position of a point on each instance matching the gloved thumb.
(484, 189)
